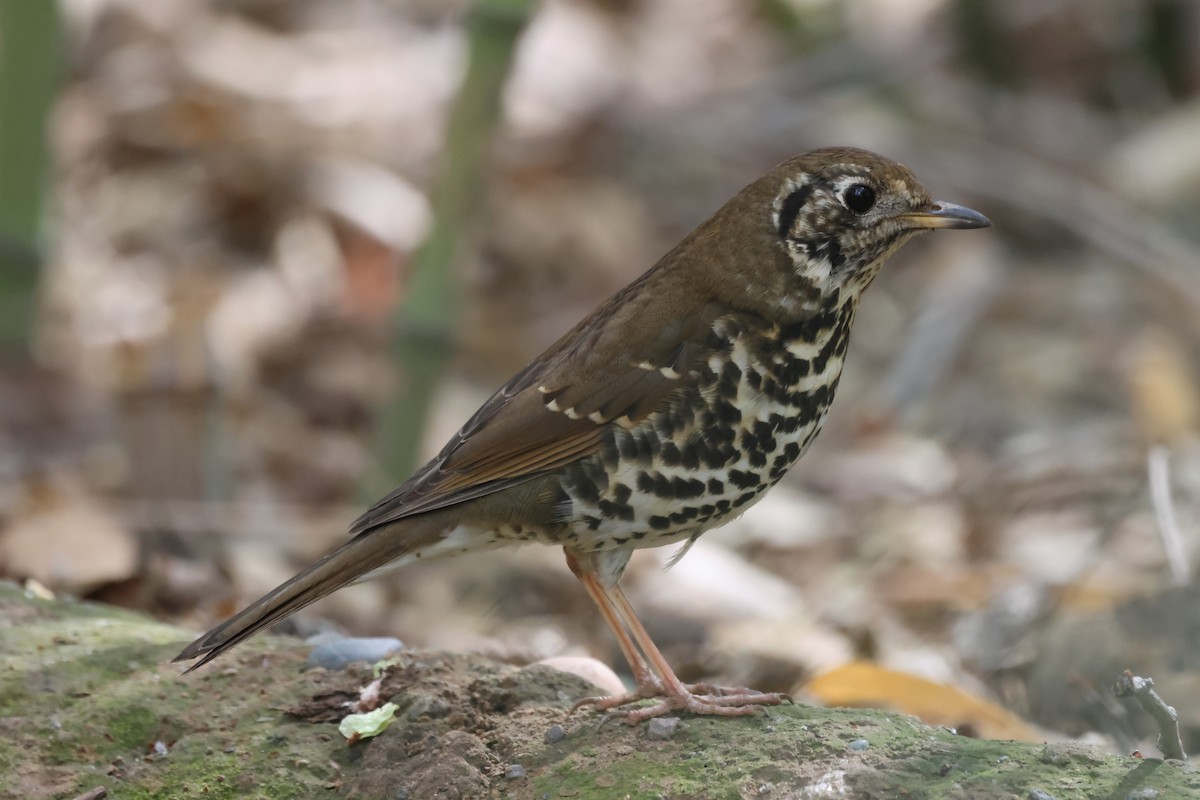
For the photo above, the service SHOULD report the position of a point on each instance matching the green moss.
(85, 697)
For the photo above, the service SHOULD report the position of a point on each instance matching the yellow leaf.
(860, 684)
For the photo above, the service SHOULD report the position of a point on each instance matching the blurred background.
(259, 258)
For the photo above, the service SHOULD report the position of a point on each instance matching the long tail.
(368, 551)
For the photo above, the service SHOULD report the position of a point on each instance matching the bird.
(668, 411)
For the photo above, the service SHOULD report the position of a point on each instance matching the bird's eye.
(859, 198)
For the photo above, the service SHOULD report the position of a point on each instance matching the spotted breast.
(730, 433)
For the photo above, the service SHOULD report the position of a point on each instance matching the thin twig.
(1158, 469)
(1142, 690)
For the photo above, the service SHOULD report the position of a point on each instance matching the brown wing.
(556, 410)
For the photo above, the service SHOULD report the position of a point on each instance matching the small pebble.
(1002, 759)
(1038, 794)
(555, 734)
(859, 744)
(1145, 793)
(662, 728)
(515, 771)
(331, 651)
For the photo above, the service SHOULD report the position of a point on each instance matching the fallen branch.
(1142, 690)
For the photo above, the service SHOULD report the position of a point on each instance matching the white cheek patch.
(813, 267)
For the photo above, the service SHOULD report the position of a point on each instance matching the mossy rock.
(89, 699)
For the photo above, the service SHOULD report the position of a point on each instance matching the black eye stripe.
(790, 209)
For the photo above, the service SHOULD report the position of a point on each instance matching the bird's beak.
(946, 215)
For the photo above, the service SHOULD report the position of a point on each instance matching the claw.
(737, 705)
(646, 690)
(716, 701)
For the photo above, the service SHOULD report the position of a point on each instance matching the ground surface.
(90, 700)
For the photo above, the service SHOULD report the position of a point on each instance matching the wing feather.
(598, 373)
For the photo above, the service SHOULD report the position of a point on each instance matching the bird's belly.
(692, 469)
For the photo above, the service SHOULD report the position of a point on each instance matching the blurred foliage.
(30, 62)
(428, 318)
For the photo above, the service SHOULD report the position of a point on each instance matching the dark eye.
(859, 198)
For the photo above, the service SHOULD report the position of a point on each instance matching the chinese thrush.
(668, 411)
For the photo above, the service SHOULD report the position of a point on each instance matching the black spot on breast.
(793, 370)
(626, 446)
(727, 384)
(684, 413)
(742, 499)
(685, 515)
(836, 346)
(584, 489)
(609, 455)
(647, 444)
(790, 209)
(742, 479)
(670, 455)
(808, 329)
(597, 473)
(709, 453)
(778, 467)
(686, 488)
(726, 413)
(612, 510)
(832, 250)
(659, 523)
(689, 458)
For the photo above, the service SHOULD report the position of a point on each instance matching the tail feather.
(366, 552)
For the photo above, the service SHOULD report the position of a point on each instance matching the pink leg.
(656, 679)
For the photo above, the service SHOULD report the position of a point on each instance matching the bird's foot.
(735, 703)
(721, 691)
(647, 689)
(700, 698)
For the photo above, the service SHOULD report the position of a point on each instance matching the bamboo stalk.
(425, 334)
(29, 66)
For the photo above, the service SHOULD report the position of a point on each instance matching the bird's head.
(839, 213)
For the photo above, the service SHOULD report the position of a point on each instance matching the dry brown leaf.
(68, 541)
(1162, 388)
(860, 684)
